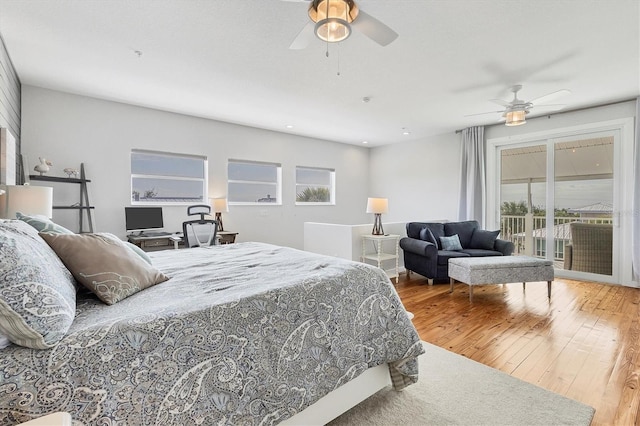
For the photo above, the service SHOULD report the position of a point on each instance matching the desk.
(382, 253)
(152, 243)
(227, 237)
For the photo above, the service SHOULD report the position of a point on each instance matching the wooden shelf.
(73, 207)
(83, 206)
(58, 179)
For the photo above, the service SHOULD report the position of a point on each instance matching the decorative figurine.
(43, 167)
(71, 172)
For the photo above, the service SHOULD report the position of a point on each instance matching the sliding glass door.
(557, 201)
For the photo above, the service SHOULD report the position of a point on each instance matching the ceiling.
(229, 60)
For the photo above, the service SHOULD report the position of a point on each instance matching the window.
(252, 182)
(315, 185)
(166, 178)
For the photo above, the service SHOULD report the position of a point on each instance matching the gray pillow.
(451, 243)
(104, 265)
(37, 292)
(427, 235)
(46, 225)
(482, 239)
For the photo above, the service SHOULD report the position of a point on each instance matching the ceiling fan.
(333, 20)
(514, 112)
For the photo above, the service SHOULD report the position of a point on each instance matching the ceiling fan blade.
(550, 96)
(303, 38)
(551, 107)
(500, 102)
(484, 113)
(374, 29)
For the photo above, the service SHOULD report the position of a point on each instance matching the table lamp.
(220, 205)
(377, 206)
(27, 199)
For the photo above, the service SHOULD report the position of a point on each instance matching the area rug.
(454, 390)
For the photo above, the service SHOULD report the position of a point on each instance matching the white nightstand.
(388, 252)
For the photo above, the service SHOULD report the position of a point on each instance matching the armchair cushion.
(481, 239)
(445, 255)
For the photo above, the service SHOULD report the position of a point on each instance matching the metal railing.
(513, 228)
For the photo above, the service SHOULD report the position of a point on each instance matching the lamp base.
(219, 219)
(377, 225)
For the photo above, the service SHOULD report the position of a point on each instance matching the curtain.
(635, 216)
(472, 179)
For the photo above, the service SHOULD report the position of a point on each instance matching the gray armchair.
(425, 254)
(591, 248)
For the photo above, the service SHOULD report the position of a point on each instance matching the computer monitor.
(143, 218)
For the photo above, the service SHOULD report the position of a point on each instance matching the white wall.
(70, 129)
(421, 179)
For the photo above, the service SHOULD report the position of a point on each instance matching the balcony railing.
(514, 229)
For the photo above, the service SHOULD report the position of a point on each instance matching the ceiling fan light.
(332, 18)
(515, 118)
(333, 30)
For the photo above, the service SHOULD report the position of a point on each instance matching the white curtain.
(635, 216)
(472, 179)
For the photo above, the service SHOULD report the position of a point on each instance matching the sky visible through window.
(570, 195)
(158, 177)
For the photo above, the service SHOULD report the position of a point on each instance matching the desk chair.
(200, 232)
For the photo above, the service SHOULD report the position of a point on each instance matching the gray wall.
(9, 98)
(69, 129)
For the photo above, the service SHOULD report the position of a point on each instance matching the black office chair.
(201, 232)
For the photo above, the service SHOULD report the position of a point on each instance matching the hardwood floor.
(584, 343)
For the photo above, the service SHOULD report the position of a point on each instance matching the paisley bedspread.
(242, 334)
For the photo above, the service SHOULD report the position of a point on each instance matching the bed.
(248, 333)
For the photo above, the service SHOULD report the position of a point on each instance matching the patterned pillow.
(37, 293)
(451, 243)
(104, 265)
(43, 224)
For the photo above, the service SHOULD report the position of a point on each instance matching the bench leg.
(470, 293)
(451, 281)
(549, 289)
(430, 281)
(524, 286)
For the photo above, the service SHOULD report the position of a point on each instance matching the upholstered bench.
(498, 270)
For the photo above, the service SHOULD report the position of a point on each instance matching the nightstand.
(386, 250)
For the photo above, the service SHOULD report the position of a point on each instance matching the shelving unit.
(83, 206)
(380, 255)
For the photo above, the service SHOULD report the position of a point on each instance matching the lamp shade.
(515, 118)
(377, 205)
(219, 204)
(26, 199)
